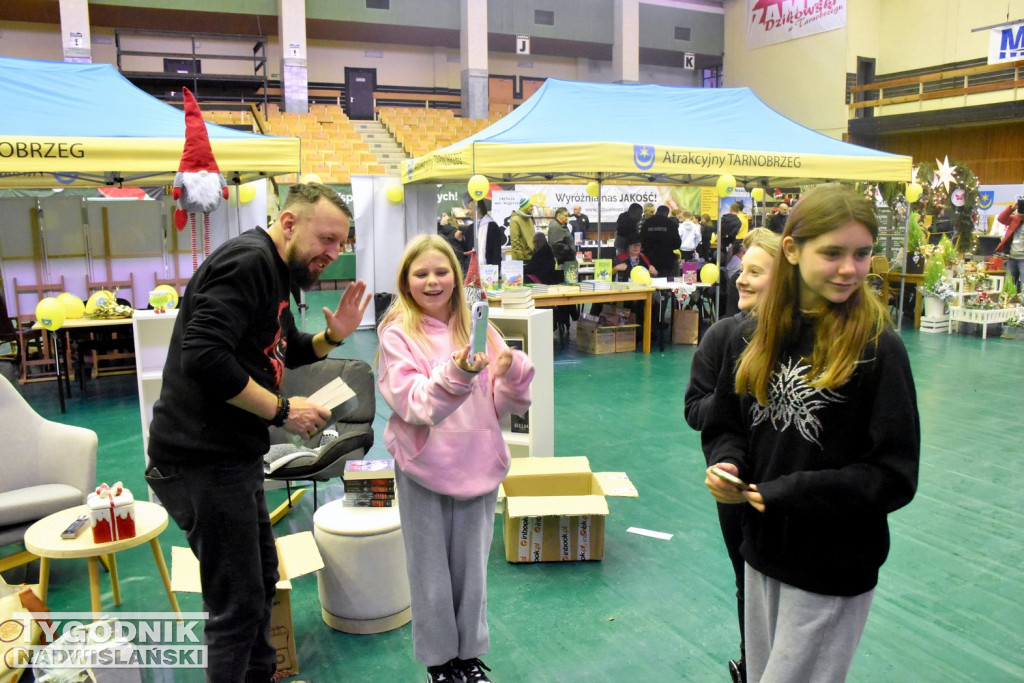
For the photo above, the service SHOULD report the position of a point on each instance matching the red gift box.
(112, 509)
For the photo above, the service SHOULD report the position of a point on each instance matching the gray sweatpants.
(447, 542)
(793, 635)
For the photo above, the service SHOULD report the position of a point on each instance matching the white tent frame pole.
(903, 271)
(718, 259)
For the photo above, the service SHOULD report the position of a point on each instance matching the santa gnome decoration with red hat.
(198, 186)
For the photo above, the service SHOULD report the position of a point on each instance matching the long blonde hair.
(842, 331)
(404, 309)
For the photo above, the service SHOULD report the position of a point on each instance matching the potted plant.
(937, 289)
(914, 256)
(947, 252)
(1014, 328)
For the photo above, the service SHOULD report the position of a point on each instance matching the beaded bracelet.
(281, 416)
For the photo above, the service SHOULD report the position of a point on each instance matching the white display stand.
(152, 339)
(535, 326)
(981, 316)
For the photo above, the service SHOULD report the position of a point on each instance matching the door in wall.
(359, 85)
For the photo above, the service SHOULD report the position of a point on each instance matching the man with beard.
(232, 339)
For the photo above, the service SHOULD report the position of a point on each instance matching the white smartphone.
(478, 329)
(731, 478)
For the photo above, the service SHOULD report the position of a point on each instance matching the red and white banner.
(775, 21)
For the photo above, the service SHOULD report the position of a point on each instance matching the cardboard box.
(297, 555)
(593, 339)
(18, 633)
(555, 508)
(625, 338)
(615, 315)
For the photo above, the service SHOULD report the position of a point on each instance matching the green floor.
(948, 608)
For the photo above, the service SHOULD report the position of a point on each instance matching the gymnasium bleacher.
(334, 149)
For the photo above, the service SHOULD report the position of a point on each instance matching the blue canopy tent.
(67, 125)
(570, 131)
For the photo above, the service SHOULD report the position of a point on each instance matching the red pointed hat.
(198, 155)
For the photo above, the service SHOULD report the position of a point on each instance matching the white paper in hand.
(332, 394)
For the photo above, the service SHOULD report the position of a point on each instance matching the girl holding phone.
(761, 248)
(445, 435)
(820, 416)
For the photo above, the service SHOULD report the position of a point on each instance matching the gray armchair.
(324, 456)
(48, 466)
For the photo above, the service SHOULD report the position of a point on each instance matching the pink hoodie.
(444, 430)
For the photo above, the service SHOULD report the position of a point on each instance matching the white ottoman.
(363, 586)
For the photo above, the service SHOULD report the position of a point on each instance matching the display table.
(43, 539)
(892, 278)
(576, 298)
(981, 316)
(69, 326)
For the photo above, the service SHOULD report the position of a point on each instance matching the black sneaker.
(738, 670)
(444, 673)
(471, 670)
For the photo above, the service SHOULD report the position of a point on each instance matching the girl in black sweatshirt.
(820, 415)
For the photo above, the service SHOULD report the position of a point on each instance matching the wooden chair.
(118, 348)
(35, 347)
(8, 332)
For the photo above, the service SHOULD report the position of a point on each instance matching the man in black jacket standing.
(626, 226)
(232, 339)
(660, 238)
(490, 236)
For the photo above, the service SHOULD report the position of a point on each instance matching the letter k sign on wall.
(689, 61)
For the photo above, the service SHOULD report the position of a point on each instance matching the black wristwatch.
(327, 338)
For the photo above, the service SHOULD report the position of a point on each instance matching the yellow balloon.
(913, 192)
(246, 193)
(478, 187)
(73, 306)
(307, 178)
(709, 273)
(726, 185)
(593, 188)
(50, 313)
(640, 275)
(395, 192)
(98, 300)
(757, 194)
(173, 303)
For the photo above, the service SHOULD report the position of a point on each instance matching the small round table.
(43, 539)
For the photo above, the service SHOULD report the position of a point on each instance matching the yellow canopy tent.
(66, 125)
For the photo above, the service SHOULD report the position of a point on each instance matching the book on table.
(383, 468)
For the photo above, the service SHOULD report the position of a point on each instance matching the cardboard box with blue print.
(555, 509)
(297, 555)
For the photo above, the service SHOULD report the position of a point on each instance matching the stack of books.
(369, 483)
(595, 286)
(539, 288)
(517, 298)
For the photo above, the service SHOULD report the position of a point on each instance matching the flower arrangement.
(974, 278)
(935, 282)
(1016, 321)
(983, 301)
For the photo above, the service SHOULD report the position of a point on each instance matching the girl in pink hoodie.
(445, 435)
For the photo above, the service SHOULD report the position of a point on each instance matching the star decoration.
(943, 174)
